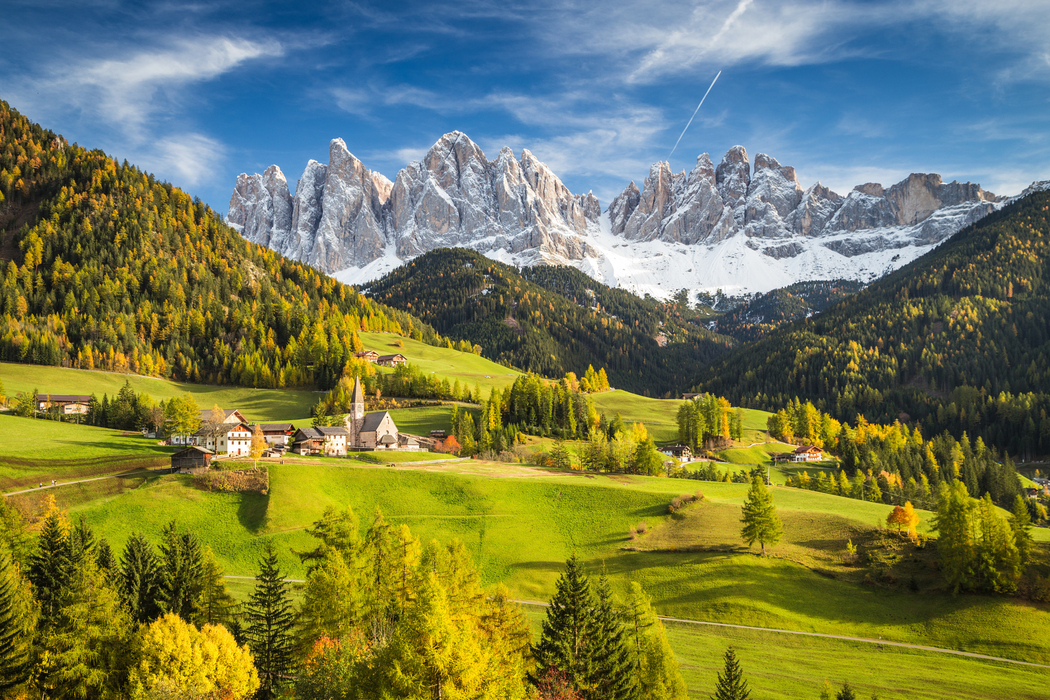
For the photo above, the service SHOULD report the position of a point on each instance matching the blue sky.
(845, 91)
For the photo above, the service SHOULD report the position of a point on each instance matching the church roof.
(372, 421)
(359, 396)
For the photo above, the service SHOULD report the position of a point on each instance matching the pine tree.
(731, 684)
(140, 579)
(270, 622)
(181, 573)
(216, 601)
(761, 522)
(614, 667)
(1020, 524)
(51, 566)
(847, 692)
(16, 625)
(569, 633)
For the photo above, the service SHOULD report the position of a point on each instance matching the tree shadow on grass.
(251, 512)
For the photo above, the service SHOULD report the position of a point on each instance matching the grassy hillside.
(256, 404)
(468, 368)
(32, 451)
(522, 523)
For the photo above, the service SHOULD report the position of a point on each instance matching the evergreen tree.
(51, 566)
(104, 559)
(761, 522)
(81, 542)
(216, 601)
(569, 633)
(17, 621)
(270, 621)
(181, 573)
(846, 693)
(659, 677)
(140, 579)
(89, 646)
(1020, 524)
(614, 665)
(731, 684)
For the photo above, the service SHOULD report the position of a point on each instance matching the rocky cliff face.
(345, 218)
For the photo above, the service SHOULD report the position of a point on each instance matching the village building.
(322, 440)
(680, 452)
(276, 433)
(807, 453)
(231, 437)
(371, 431)
(67, 404)
(391, 360)
(191, 459)
(367, 355)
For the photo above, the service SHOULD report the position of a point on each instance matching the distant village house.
(67, 404)
(391, 360)
(191, 459)
(367, 355)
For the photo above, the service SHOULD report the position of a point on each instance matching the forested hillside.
(957, 340)
(552, 320)
(760, 314)
(102, 266)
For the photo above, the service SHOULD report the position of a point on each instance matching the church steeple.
(357, 404)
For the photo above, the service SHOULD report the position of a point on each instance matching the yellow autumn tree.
(904, 517)
(174, 657)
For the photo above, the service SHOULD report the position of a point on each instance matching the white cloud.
(128, 90)
(191, 159)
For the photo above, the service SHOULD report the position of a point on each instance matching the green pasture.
(34, 450)
(255, 404)
(521, 524)
(420, 421)
(467, 367)
(788, 667)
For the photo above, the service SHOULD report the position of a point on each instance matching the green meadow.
(522, 523)
(255, 404)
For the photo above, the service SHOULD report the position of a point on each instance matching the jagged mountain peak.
(737, 224)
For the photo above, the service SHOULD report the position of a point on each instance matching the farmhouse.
(680, 452)
(67, 404)
(231, 436)
(367, 355)
(276, 433)
(807, 453)
(391, 360)
(191, 459)
(322, 440)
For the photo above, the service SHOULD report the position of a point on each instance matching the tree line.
(895, 462)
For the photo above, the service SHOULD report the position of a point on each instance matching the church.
(370, 431)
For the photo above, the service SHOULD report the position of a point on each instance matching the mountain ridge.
(728, 226)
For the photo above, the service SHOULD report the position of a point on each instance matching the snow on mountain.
(730, 227)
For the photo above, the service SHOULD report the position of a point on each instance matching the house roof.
(806, 448)
(392, 357)
(276, 427)
(65, 398)
(205, 413)
(365, 352)
(193, 448)
(372, 421)
(387, 440)
(319, 432)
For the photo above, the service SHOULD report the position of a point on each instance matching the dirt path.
(80, 481)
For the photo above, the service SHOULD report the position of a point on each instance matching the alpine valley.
(739, 227)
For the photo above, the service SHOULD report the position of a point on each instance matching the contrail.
(694, 115)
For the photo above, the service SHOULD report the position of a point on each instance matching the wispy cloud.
(192, 157)
(130, 89)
